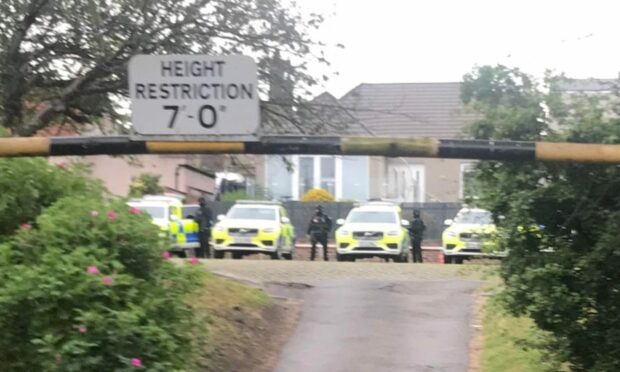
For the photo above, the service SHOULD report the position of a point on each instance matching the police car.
(470, 234)
(252, 227)
(374, 229)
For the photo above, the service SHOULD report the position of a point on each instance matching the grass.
(232, 311)
(512, 344)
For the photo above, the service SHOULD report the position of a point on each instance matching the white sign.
(193, 94)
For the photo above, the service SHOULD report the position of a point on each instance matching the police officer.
(416, 232)
(203, 219)
(319, 228)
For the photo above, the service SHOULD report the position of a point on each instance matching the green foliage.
(57, 313)
(27, 186)
(234, 196)
(145, 184)
(565, 275)
(317, 195)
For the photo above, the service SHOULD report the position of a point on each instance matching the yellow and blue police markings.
(184, 233)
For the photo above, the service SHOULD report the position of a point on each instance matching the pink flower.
(26, 226)
(62, 165)
(107, 280)
(82, 329)
(165, 255)
(93, 270)
(112, 215)
(94, 213)
(134, 210)
(194, 261)
(136, 362)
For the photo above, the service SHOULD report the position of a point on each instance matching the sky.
(440, 40)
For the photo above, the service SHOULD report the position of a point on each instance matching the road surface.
(375, 323)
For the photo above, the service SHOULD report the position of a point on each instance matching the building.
(180, 174)
(397, 110)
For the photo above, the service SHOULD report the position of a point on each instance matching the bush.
(88, 289)
(145, 184)
(317, 195)
(232, 196)
(28, 185)
(564, 276)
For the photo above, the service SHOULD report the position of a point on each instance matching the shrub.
(145, 184)
(234, 196)
(317, 195)
(88, 289)
(27, 186)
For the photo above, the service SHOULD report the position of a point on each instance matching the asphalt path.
(379, 325)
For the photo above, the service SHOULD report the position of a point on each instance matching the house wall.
(442, 177)
(118, 172)
(376, 182)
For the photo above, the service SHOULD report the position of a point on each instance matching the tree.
(28, 186)
(145, 184)
(65, 61)
(561, 219)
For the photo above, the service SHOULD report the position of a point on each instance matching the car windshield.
(372, 217)
(474, 217)
(245, 213)
(155, 212)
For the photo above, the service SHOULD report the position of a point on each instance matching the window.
(406, 182)
(153, 211)
(328, 174)
(316, 172)
(466, 182)
(245, 213)
(306, 174)
(372, 217)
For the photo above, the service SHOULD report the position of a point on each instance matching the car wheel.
(277, 254)
(288, 256)
(218, 255)
(447, 259)
(405, 256)
(237, 255)
(458, 260)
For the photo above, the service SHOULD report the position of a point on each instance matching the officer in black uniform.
(319, 228)
(204, 221)
(416, 232)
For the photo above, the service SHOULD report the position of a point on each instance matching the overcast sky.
(440, 40)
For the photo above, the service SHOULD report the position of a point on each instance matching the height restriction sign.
(193, 95)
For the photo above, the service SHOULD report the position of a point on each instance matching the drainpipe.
(177, 172)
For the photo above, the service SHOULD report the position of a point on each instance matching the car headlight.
(343, 232)
(392, 233)
(219, 229)
(269, 230)
(451, 234)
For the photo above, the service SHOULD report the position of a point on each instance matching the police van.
(167, 213)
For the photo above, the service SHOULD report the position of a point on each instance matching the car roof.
(464, 210)
(259, 205)
(384, 208)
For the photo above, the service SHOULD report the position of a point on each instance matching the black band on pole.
(80, 146)
(295, 145)
(487, 150)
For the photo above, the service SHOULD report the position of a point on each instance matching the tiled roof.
(409, 109)
(587, 85)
